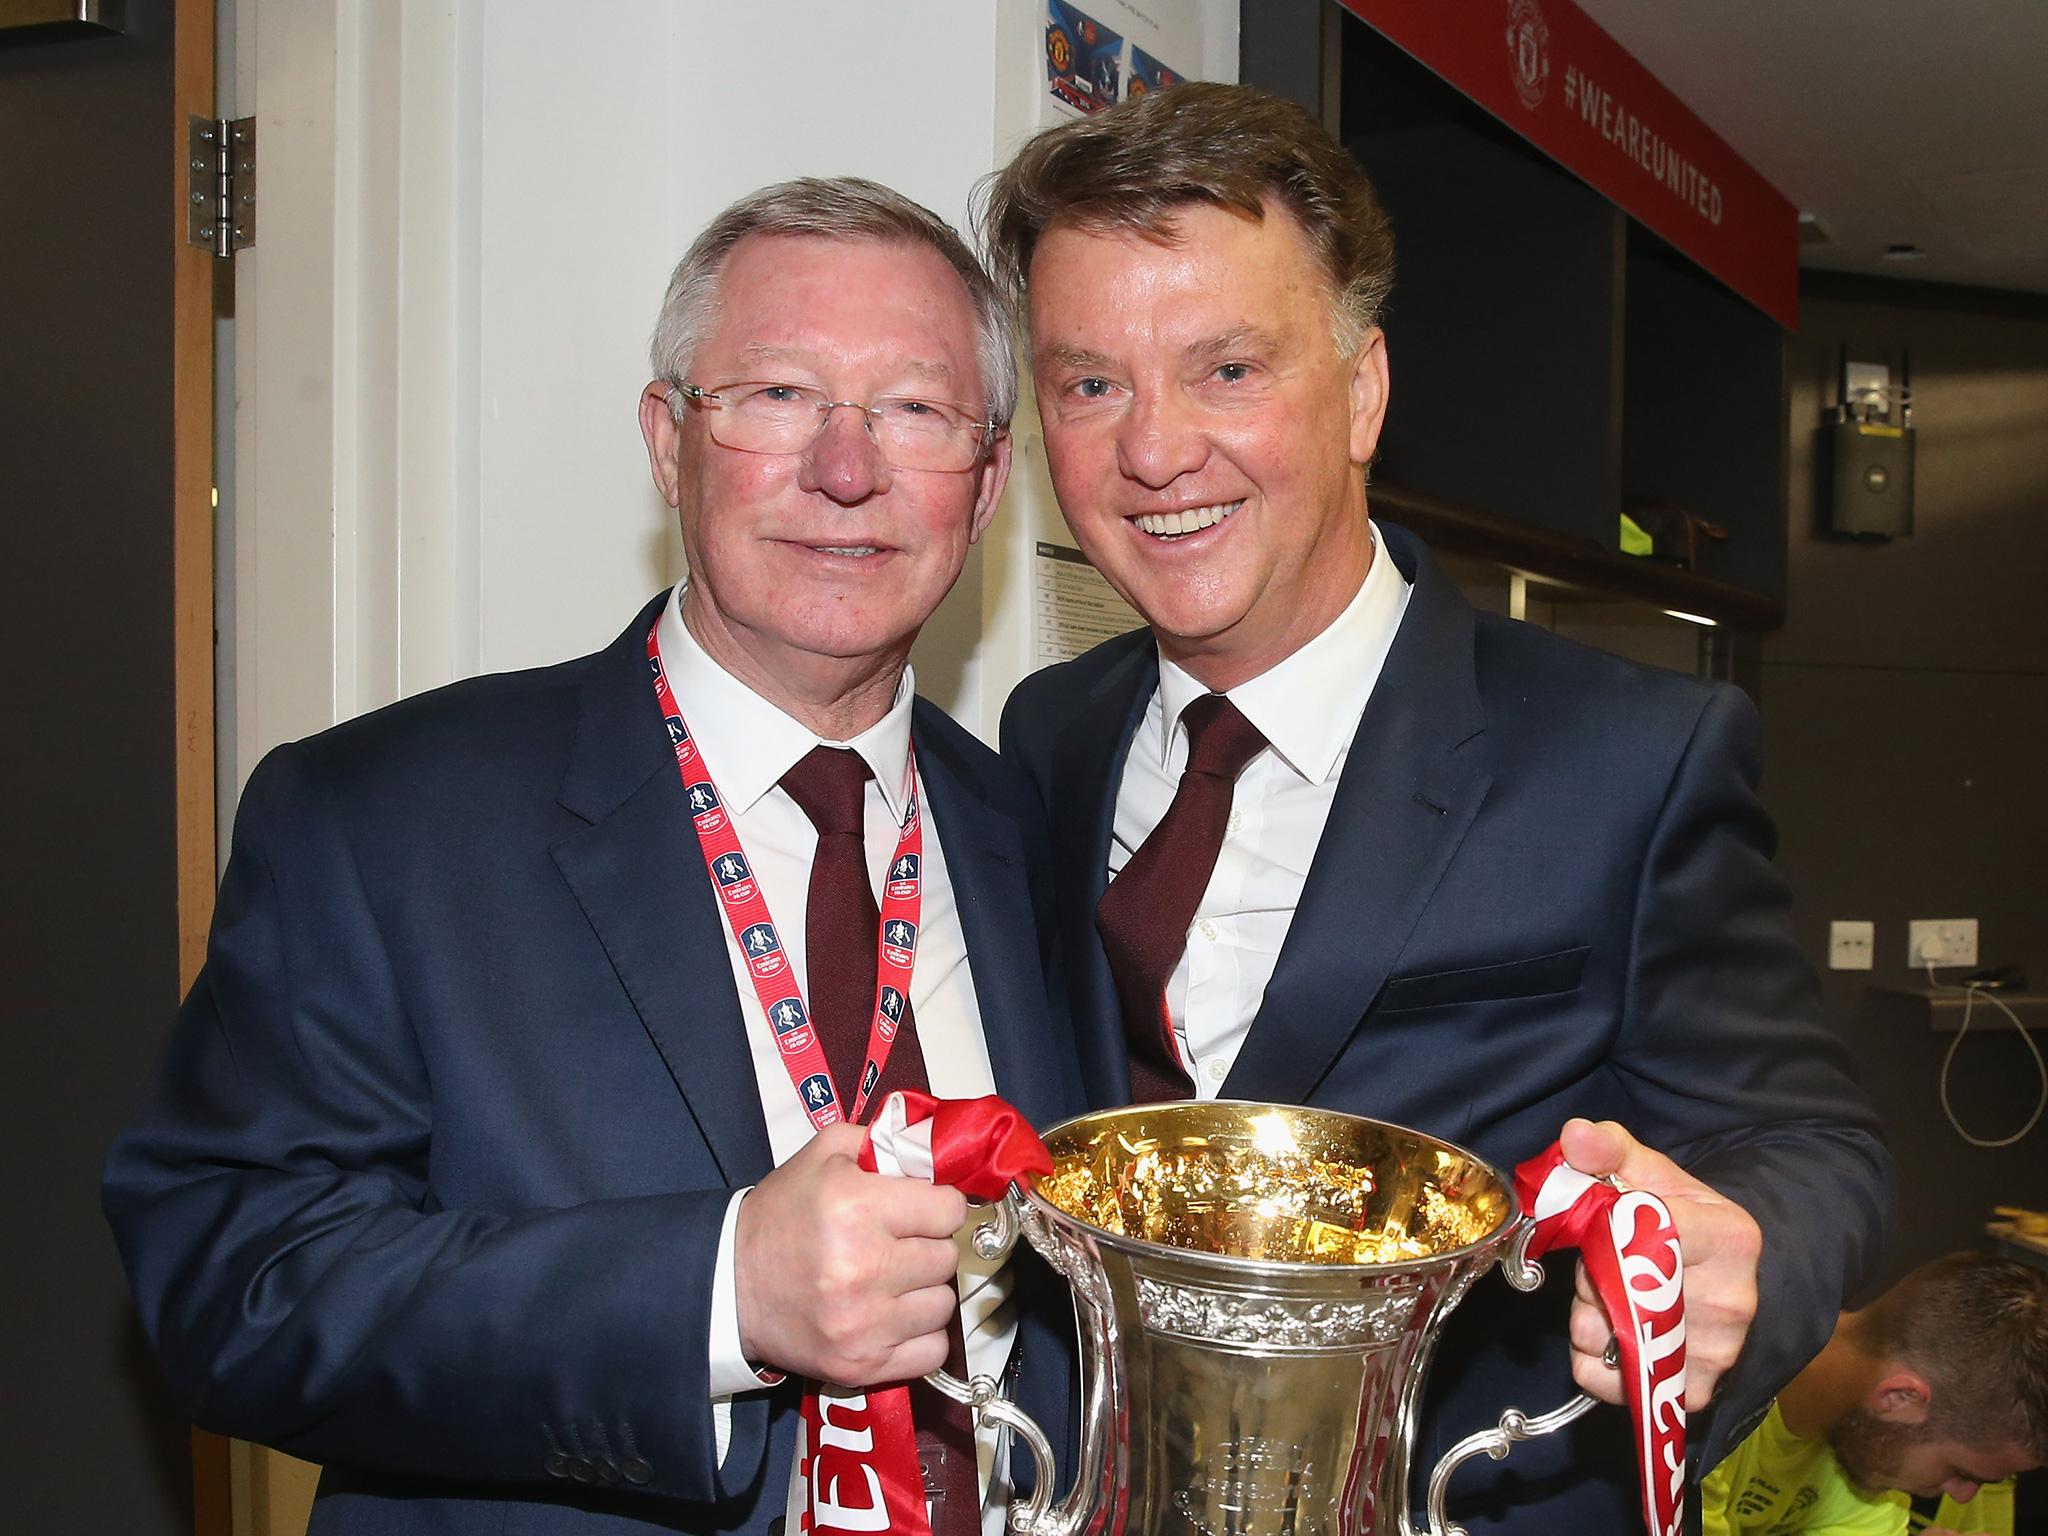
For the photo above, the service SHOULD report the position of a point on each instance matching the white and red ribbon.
(1629, 1245)
(857, 1464)
(979, 1146)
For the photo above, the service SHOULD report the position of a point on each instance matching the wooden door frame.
(192, 94)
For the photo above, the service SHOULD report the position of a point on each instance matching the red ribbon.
(1629, 1245)
(979, 1146)
(857, 1461)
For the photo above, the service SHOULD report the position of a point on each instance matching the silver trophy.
(1259, 1288)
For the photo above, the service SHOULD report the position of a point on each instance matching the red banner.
(1547, 70)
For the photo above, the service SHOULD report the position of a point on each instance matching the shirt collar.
(748, 743)
(1309, 704)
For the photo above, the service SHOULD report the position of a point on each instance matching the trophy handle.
(1524, 1274)
(1514, 1426)
(993, 1240)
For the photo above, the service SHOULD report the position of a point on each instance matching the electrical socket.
(1946, 941)
(1852, 945)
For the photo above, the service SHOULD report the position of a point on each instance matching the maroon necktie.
(841, 929)
(1144, 915)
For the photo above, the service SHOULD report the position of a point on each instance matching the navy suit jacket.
(1544, 890)
(431, 1186)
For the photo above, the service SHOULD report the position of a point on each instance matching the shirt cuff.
(730, 1370)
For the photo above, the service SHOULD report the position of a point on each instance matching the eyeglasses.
(787, 418)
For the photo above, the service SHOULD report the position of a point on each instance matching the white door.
(469, 210)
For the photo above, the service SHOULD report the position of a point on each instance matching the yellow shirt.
(1776, 1484)
(1988, 1514)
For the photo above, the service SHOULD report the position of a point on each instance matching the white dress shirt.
(747, 745)
(1308, 706)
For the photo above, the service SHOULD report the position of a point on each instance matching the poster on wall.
(1083, 60)
(1100, 51)
(1149, 74)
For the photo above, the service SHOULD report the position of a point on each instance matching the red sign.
(1548, 71)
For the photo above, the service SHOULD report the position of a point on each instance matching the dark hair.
(1977, 1328)
(1138, 165)
(837, 208)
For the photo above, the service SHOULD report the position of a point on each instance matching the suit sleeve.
(299, 1280)
(1729, 1070)
(1024, 743)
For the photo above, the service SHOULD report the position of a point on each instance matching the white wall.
(470, 209)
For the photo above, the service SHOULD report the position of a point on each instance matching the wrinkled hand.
(842, 1275)
(1719, 1240)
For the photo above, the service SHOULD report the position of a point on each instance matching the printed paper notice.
(1074, 608)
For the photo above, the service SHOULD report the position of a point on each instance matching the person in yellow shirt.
(1936, 1389)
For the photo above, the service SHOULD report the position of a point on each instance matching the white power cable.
(1971, 992)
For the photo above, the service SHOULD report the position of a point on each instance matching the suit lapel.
(638, 874)
(985, 863)
(1407, 796)
(1088, 763)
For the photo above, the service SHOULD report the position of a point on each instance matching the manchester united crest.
(1528, 51)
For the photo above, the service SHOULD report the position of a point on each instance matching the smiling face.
(1207, 442)
(811, 572)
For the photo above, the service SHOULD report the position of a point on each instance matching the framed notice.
(1073, 608)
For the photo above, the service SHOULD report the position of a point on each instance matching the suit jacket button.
(555, 1464)
(606, 1469)
(636, 1469)
(583, 1469)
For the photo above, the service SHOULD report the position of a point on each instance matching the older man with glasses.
(504, 1159)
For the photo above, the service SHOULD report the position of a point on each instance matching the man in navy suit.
(1455, 872)
(476, 1170)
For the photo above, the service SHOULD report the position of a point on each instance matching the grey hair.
(837, 208)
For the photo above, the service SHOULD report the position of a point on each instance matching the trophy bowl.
(1258, 1288)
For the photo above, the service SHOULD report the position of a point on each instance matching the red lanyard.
(746, 914)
